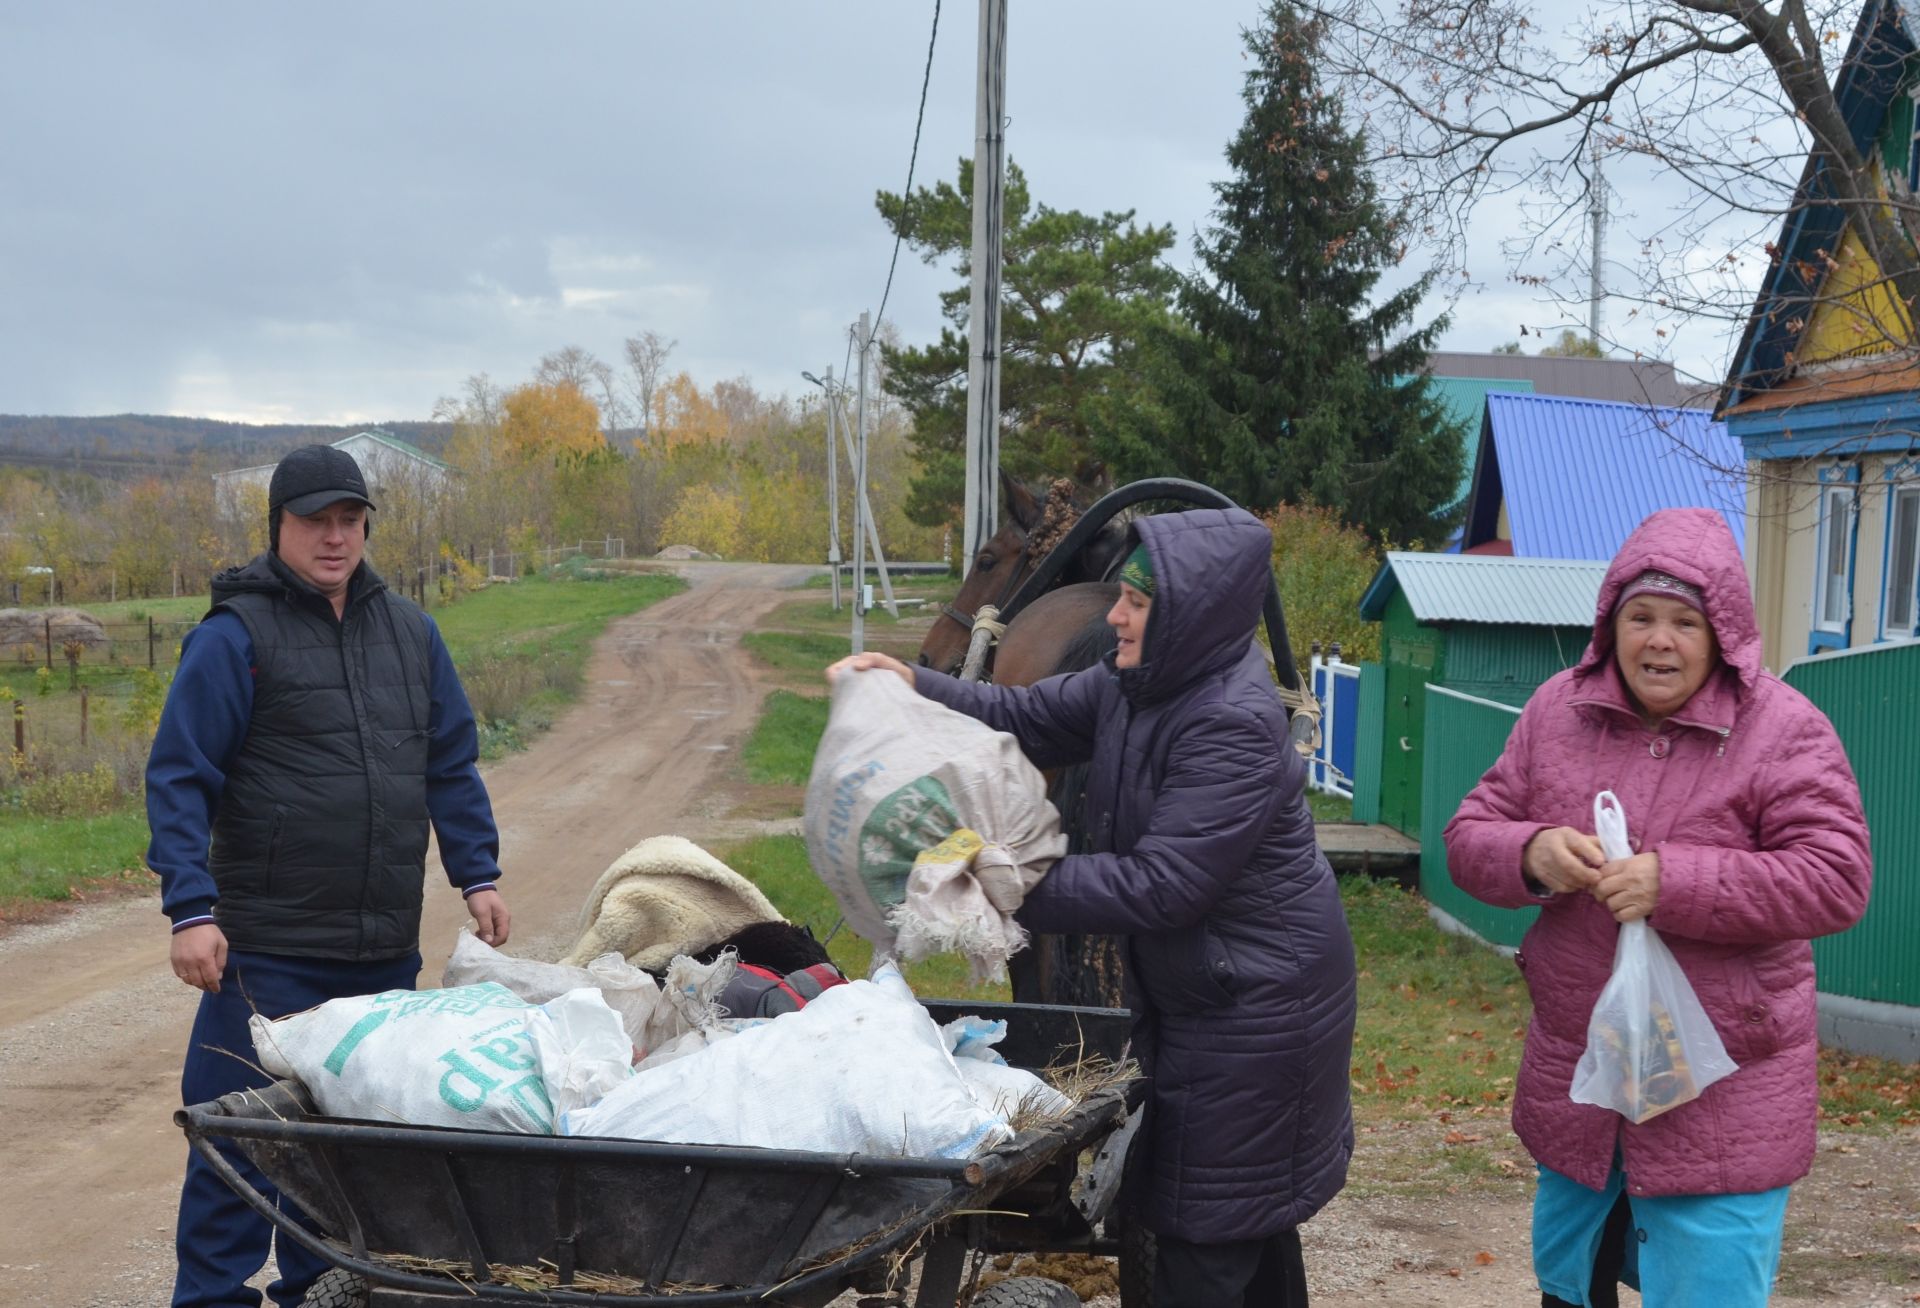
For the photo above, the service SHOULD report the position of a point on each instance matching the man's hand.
(1563, 860)
(490, 918)
(870, 659)
(199, 956)
(1630, 887)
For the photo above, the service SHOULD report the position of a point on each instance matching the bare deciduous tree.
(646, 358)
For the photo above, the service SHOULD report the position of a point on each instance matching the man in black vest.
(314, 731)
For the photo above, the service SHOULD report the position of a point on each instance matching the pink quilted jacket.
(1749, 800)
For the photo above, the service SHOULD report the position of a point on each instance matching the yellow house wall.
(1783, 537)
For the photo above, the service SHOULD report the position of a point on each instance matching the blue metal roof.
(1488, 588)
(1577, 476)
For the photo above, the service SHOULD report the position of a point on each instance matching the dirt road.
(93, 1025)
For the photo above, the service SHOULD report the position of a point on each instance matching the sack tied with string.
(1650, 1044)
(929, 827)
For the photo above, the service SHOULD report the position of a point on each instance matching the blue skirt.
(1683, 1251)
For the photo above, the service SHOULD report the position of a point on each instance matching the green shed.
(1484, 625)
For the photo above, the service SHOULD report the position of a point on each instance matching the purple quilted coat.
(1747, 797)
(1239, 964)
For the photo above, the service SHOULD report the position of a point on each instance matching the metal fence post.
(149, 641)
(49, 627)
(19, 727)
(83, 717)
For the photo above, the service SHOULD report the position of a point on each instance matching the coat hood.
(1212, 572)
(1696, 546)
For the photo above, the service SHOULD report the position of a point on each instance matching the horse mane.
(1088, 646)
(1057, 516)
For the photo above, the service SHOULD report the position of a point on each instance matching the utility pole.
(860, 500)
(833, 491)
(873, 531)
(982, 512)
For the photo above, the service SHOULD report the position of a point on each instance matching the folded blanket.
(665, 896)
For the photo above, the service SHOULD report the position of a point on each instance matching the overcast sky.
(336, 213)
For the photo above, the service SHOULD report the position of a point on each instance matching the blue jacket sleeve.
(456, 797)
(201, 728)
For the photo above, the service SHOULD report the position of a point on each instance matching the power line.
(906, 196)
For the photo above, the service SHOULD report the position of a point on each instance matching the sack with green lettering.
(928, 826)
(474, 1056)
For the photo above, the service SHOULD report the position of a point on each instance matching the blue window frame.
(1900, 570)
(1831, 613)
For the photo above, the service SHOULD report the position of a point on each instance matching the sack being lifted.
(928, 826)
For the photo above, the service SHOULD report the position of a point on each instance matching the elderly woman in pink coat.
(1750, 841)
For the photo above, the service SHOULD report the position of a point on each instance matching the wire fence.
(60, 642)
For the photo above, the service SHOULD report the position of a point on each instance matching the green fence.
(1872, 696)
(1465, 734)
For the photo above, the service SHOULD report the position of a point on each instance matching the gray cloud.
(340, 211)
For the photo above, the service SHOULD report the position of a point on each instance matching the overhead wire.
(906, 196)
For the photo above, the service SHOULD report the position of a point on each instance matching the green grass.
(1329, 808)
(1441, 1018)
(47, 858)
(779, 866)
(796, 651)
(780, 750)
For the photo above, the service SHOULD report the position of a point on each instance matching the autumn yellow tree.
(552, 420)
(706, 517)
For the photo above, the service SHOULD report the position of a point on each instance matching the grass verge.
(54, 858)
(780, 750)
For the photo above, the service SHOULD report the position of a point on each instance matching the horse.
(1062, 630)
(1035, 523)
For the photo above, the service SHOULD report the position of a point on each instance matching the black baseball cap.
(314, 476)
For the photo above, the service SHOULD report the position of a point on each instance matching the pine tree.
(1283, 384)
(1079, 291)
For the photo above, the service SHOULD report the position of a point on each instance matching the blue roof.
(1577, 476)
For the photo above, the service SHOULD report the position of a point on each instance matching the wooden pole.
(83, 717)
(49, 628)
(19, 727)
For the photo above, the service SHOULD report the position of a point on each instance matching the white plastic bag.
(1650, 1045)
(895, 778)
(861, 1069)
(476, 1056)
(628, 990)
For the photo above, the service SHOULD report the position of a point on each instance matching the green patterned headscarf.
(1137, 571)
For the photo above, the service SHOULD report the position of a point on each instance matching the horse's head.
(1032, 526)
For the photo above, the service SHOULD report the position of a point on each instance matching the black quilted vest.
(320, 842)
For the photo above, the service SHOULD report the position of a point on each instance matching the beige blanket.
(665, 896)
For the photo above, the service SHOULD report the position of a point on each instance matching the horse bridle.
(1014, 580)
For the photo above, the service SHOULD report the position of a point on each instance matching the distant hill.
(139, 444)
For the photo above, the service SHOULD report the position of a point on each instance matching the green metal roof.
(1488, 588)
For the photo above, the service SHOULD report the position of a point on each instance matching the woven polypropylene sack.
(896, 775)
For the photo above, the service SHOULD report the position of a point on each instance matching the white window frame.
(1900, 492)
(1839, 501)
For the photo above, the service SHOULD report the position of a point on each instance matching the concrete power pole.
(833, 491)
(982, 513)
(860, 499)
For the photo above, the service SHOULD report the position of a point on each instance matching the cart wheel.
(1026, 1292)
(1136, 1266)
(338, 1288)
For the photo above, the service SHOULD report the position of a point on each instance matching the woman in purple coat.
(1239, 965)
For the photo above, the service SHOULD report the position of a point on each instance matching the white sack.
(895, 778)
(475, 1056)
(858, 1070)
(628, 990)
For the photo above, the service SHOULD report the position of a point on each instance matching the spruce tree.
(1283, 384)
